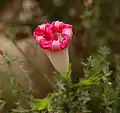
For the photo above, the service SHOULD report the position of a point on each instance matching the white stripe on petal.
(42, 27)
(67, 31)
(56, 45)
(38, 39)
(57, 24)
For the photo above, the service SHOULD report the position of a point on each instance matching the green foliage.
(42, 104)
(97, 91)
(6, 59)
(94, 93)
(22, 99)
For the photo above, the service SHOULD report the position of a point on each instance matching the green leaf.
(41, 104)
(87, 82)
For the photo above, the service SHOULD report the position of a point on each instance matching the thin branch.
(26, 57)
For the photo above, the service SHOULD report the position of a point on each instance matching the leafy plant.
(97, 91)
(93, 92)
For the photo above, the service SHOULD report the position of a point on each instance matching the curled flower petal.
(55, 36)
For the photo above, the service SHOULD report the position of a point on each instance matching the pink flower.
(54, 39)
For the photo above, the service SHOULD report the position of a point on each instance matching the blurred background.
(95, 23)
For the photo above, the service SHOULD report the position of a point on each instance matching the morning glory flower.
(54, 39)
